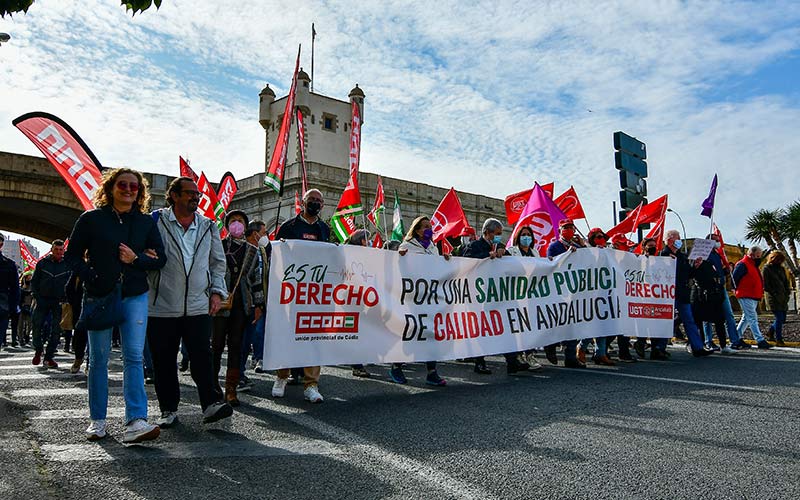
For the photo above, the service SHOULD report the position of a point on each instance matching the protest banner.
(702, 249)
(331, 305)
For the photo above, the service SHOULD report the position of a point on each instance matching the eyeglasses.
(128, 186)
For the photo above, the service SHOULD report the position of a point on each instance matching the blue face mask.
(677, 244)
(497, 239)
(526, 240)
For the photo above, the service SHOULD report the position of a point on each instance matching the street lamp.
(680, 219)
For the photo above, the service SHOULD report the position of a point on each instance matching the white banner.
(330, 305)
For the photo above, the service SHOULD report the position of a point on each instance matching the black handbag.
(101, 313)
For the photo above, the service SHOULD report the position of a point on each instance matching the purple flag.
(542, 215)
(708, 203)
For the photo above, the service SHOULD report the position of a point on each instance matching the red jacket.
(749, 284)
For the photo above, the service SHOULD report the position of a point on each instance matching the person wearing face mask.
(418, 241)
(184, 296)
(244, 283)
(684, 271)
(253, 338)
(749, 287)
(777, 290)
(715, 259)
(524, 247)
(596, 238)
(706, 297)
(490, 246)
(567, 241)
(307, 225)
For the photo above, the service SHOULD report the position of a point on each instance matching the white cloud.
(486, 97)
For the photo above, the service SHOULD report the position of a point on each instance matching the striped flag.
(398, 230)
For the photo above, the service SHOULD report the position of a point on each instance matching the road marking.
(54, 375)
(356, 444)
(91, 452)
(665, 379)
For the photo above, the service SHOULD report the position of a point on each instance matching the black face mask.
(758, 262)
(313, 208)
(651, 250)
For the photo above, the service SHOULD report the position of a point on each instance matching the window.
(328, 122)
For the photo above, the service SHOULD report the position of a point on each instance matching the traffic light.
(629, 159)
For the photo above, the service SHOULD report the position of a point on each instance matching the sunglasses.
(125, 186)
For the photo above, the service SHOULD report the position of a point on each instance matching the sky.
(486, 97)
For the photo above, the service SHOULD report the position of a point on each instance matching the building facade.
(11, 251)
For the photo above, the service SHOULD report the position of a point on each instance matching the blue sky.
(483, 96)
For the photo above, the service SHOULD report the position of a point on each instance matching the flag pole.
(313, 36)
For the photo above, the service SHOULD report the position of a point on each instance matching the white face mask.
(263, 241)
(717, 244)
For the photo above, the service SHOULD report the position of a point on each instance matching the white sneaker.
(216, 412)
(139, 430)
(96, 430)
(312, 394)
(168, 419)
(279, 387)
(259, 367)
(727, 350)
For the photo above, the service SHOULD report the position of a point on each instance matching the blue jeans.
(730, 323)
(601, 345)
(777, 325)
(749, 318)
(692, 333)
(132, 332)
(253, 336)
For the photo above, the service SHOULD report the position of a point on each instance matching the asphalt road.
(719, 427)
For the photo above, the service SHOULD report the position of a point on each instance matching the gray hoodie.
(176, 292)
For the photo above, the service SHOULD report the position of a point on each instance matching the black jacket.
(478, 249)
(684, 271)
(100, 231)
(9, 285)
(49, 279)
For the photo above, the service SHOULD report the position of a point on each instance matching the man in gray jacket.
(184, 295)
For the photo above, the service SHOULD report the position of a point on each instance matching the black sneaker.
(744, 345)
(433, 378)
(764, 345)
(713, 346)
(513, 366)
(482, 369)
(574, 363)
(245, 384)
(658, 355)
(216, 412)
(550, 354)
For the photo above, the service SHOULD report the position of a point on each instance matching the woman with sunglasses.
(121, 243)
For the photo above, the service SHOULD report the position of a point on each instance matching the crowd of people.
(183, 289)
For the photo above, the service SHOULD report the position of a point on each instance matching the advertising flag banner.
(349, 206)
(515, 203)
(542, 215)
(277, 165)
(643, 214)
(569, 203)
(708, 203)
(343, 227)
(301, 140)
(227, 190)
(398, 229)
(339, 305)
(449, 218)
(65, 151)
(186, 170)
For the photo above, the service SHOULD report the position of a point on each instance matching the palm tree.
(766, 225)
(790, 228)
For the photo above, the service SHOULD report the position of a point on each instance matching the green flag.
(398, 231)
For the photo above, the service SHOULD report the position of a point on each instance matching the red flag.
(515, 203)
(301, 140)
(298, 207)
(66, 151)
(378, 207)
(277, 164)
(377, 241)
(447, 248)
(569, 203)
(657, 233)
(209, 205)
(355, 140)
(646, 214)
(186, 170)
(542, 215)
(27, 257)
(721, 249)
(227, 190)
(449, 218)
